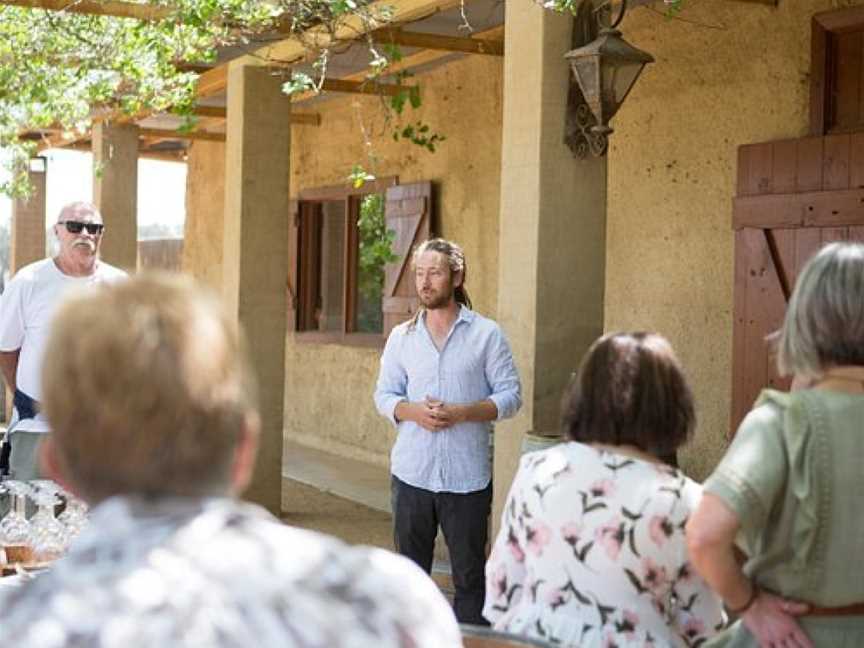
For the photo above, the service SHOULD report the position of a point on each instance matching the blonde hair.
(824, 323)
(147, 388)
(455, 261)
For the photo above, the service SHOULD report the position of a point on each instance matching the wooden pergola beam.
(215, 80)
(166, 156)
(641, 3)
(212, 82)
(362, 87)
(439, 42)
(412, 60)
(114, 8)
(305, 119)
(210, 111)
(170, 134)
(290, 50)
(217, 113)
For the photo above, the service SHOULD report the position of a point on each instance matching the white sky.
(161, 187)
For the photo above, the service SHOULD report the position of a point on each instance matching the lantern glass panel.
(587, 72)
(622, 79)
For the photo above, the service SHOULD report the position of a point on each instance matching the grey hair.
(824, 322)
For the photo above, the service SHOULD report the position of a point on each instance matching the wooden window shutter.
(293, 247)
(408, 212)
(794, 196)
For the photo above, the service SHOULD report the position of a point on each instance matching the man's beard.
(434, 301)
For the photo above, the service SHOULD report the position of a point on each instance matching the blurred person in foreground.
(788, 492)
(152, 407)
(591, 550)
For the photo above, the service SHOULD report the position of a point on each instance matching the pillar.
(27, 235)
(115, 191)
(552, 244)
(255, 262)
(28, 221)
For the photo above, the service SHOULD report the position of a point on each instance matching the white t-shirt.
(27, 307)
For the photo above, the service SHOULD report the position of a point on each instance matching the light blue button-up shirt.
(475, 364)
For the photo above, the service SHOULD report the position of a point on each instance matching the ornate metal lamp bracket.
(581, 132)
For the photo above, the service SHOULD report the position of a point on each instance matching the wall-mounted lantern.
(606, 70)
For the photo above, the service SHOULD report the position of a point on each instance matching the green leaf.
(414, 96)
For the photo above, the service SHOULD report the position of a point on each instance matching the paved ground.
(310, 508)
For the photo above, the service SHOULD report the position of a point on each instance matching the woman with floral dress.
(591, 548)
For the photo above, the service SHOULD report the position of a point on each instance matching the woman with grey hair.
(788, 490)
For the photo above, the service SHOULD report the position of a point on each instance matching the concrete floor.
(310, 508)
(345, 498)
(354, 480)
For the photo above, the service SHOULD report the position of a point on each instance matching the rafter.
(214, 81)
(217, 113)
(641, 3)
(362, 87)
(179, 155)
(291, 50)
(172, 134)
(306, 119)
(440, 42)
(411, 61)
(210, 111)
(115, 8)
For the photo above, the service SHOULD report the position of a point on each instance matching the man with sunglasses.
(26, 308)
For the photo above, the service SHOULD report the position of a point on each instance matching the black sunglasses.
(75, 227)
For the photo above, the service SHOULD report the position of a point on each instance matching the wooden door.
(408, 212)
(793, 197)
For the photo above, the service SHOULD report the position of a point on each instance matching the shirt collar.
(465, 315)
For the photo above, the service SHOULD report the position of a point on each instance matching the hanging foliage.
(60, 69)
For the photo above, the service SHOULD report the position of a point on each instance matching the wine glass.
(74, 516)
(48, 535)
(14, 527)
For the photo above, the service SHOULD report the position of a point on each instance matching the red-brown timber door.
(408, 212)
(793, 197)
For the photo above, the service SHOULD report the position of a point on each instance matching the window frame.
(351, 196)
(824, 26)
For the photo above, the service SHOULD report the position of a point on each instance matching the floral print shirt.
(591, 552)
(217, 573)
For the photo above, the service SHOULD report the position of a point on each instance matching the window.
(351, 247)
(837, 74)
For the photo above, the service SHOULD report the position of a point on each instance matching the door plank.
(821, 208)
(835, 175)
(784, 172)
(856, 160)
(810, 152)
(755, 163)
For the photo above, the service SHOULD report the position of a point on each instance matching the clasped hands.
(435, 415)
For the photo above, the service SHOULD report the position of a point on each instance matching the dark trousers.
(464, 519)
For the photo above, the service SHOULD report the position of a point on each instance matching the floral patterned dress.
(591, 552)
